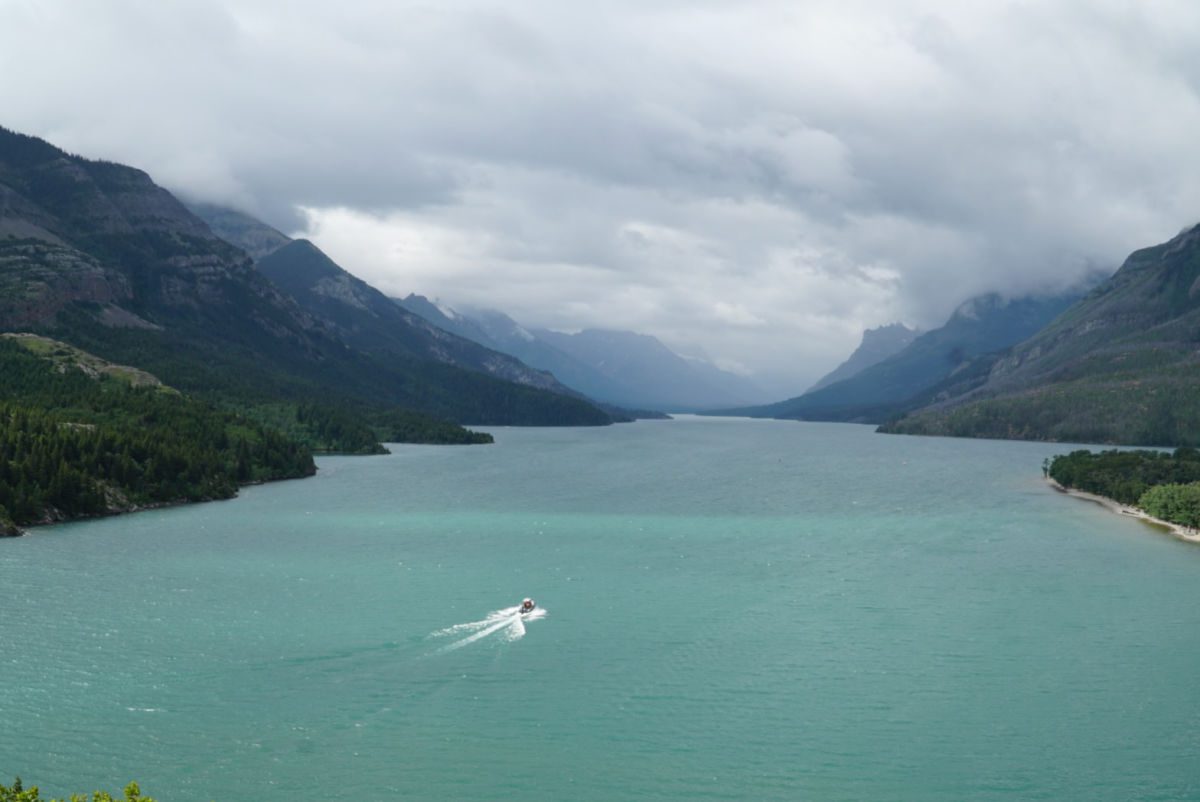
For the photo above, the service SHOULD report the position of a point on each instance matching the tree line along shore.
(83, 438)
(1160, 484)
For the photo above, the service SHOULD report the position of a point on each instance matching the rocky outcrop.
(102, 237)
(877, 345)
(38, 278)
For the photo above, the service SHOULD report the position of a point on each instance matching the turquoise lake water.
(733, 609)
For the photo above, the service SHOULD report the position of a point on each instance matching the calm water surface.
(734, 609)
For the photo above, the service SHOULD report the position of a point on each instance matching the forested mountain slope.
(96, 254)
(1120, 366)
(80, 437)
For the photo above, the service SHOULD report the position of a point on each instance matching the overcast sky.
(755, 180)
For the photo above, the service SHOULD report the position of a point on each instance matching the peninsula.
(1158, 487)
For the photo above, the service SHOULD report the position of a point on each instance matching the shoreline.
(1177, 531)
(28, 529)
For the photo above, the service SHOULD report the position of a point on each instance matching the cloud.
(758, 180)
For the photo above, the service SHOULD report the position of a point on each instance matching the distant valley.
(1118, 362)
(616, 367)
(956, 351)
(264, 345)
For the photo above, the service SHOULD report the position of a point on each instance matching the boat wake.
(507, 624)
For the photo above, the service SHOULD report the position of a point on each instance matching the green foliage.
(72, 445)
(18, 793)
(1163, 410)
(1125, 476)
(266, 371)
(1121, 366)
(406, 426)
(338, 429)
(8, 527)
(1174, 502)
(357, 428)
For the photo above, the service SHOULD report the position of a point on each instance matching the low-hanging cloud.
(758, 181)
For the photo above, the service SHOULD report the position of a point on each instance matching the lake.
(730, 609)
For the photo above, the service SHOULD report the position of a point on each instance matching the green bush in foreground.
(17, 793)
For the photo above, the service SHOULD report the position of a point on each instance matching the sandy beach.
(1181, 532)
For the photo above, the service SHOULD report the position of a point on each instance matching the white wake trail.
(509, 621)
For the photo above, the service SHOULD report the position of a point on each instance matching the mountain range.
(99, 256)
(416, 323)
(978, 327)
(616, 367)
(369, 321)
(218, 304)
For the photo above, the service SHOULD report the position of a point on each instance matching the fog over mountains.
(876, 346)
(617, 367)
(1120, 366)
(974, 334)
(96, 254)
(614, 367)
(637, 167)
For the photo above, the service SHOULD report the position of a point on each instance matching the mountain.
(978, 328)
(498, 331)
(614, 367)
(360, 315)
(877, 345)
(656, 376)
(97, 255)
(100, 243)
(454, 322)
(1120, 366)
(240, 229)
(368, 320)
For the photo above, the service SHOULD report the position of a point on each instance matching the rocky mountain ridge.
(368, 320)
(877, 345)
(978, 329)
